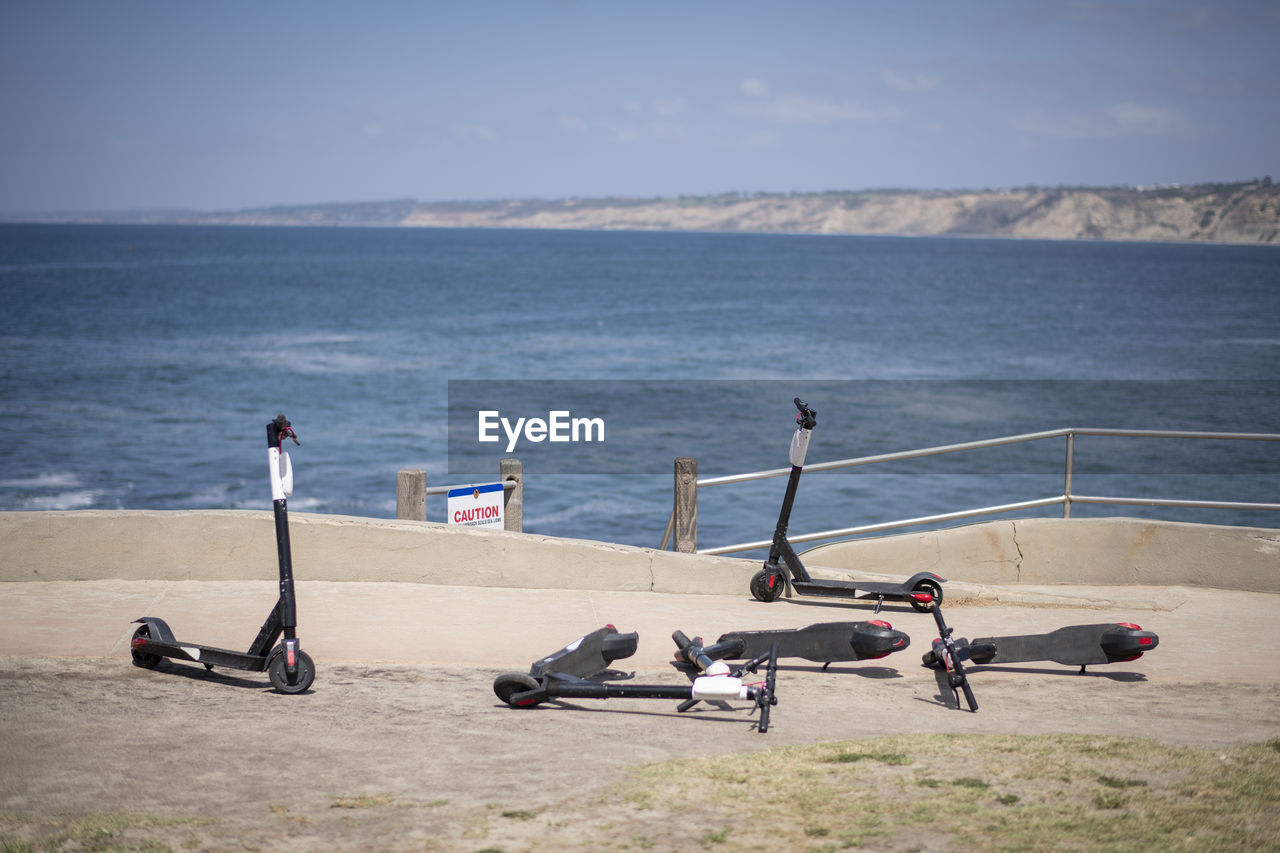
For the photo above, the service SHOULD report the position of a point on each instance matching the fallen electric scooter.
(783, 570)
(581, 670)
(824, 643)
(949, 662)
(289, 668)
(1074, 645)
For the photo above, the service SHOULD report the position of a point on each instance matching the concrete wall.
(239, 545)
(1099, 551)
(235, 545)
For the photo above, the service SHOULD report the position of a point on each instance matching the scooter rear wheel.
(931, 587)
(760, 589)
(509, 684)
(279, 676)
(142, 659)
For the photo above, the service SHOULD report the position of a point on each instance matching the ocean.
(140, 364)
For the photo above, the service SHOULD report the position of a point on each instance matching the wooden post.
(512, 499)
(411, 494)
(686, 504)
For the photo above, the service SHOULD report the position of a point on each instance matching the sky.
(179, 104)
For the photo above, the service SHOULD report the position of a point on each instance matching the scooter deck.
(824, 642)
(208, 655)
(880, 590)
(1074, 645)
(850, 589)
(162, 642)
(587, 655)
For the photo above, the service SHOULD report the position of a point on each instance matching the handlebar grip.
(968, 695)
(807, 417)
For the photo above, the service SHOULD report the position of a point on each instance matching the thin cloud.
(469, 132)
(1124, 119)
(754, 88)
(1133, 118)
(669, 107)
(804, 109)
(908, 83)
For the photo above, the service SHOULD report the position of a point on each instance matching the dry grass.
(930, 792)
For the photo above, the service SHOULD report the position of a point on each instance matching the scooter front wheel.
(931, 587)
(761, 589)
(279, 675)
(509, 684)
(142, 659)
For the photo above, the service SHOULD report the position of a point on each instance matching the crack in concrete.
(1017, 566)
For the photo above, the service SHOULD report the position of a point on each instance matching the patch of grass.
(1110, 800)
(1070, 791)
(1117, 782)
(520, 814)
(893, 758)
(111, 832)
(970, 782)
(717, 836)
(363, 801)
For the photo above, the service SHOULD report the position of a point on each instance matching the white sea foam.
(81, 499)
(50, 480)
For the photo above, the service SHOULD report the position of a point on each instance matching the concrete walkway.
(1206, 635)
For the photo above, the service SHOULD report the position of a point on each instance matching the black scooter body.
(290, 669)
(1074, 645)
(783, 571)
(587, 656)
(825, 642)
(579, 670)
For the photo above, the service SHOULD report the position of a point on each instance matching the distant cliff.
(1239, 212)
(1245, 213)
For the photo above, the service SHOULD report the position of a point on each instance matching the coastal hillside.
(1246, 212)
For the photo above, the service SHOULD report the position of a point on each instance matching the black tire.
(142, 659)
(510, 683)
(280, 678)
(760, 590)
(930, 660)
(931, 587)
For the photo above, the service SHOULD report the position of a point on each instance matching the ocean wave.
(82, 499)
(50, 480)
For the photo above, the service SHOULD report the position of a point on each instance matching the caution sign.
(476, 506)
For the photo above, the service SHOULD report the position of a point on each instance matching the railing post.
(411, 494)
(512, 499)
(1066, 485)
(686, 504)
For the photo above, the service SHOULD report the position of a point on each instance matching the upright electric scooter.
(289, 668)
(784, 570)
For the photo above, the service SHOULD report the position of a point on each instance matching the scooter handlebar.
(279, 429)
(806, 417)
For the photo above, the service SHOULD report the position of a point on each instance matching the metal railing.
(1066, 499)
(507, 485)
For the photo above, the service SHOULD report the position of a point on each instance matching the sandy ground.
(421, 755)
